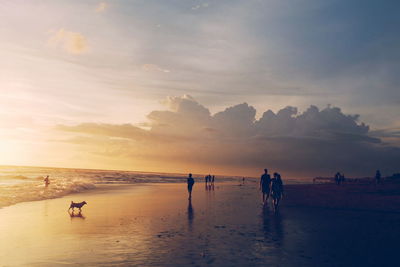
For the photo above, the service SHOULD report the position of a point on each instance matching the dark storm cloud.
(311, 142)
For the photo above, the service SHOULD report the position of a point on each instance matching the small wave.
(13, 177)
(20, 184)
(35, 190)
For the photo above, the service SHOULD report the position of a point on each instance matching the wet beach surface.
(156, 225)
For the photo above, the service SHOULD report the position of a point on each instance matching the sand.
(358, 197)
(155, 225)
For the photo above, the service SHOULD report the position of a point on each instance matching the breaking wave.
(12, 193)
(21, 184)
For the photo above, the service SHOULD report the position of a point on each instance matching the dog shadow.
(74, 215)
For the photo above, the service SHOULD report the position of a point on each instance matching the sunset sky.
(186, 85)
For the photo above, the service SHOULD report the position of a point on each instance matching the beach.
(156, 225)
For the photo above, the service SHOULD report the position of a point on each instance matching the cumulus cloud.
(313, 142)
(70, 42)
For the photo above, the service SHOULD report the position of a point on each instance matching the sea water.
(20, 184)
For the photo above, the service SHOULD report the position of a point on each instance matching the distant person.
(213, 179)
(243, 180)
(378, 177)
(342, 178)
(265, 186)
(46, 181)
(208, 181)
(190, 183)
(276, 190)
(337, 178)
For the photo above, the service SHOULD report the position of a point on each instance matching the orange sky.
(155, 86)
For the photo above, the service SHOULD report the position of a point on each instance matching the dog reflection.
(76, 215)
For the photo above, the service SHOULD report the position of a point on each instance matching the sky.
(302, 87)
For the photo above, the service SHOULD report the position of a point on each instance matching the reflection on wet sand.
(272, 226)
(210, 193)
(209, 187)
(190, 212)
(76, 215)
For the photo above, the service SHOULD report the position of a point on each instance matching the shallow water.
(20, 184)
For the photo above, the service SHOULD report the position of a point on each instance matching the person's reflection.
(266, 222)
(190, 212)
(277, 222)
(73, 215)
(210, 195)
(272, 226)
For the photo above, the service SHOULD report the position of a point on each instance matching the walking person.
(276, 190)
(265, 186)
(342, 179)
(337, 178)
(190, 183)
(378, 177)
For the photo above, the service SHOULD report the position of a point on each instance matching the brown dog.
(77, 205)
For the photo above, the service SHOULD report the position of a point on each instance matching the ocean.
(20, 184)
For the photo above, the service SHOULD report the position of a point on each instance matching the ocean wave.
(12, 177)
(21, 184)
(35, 190)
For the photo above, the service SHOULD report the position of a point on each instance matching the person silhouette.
(337, 178)
(378, 177)
(190, 183)
(342, 178)
(265, 186)
(276, 190)
(46, 181)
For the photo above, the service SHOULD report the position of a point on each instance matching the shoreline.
(362, 197)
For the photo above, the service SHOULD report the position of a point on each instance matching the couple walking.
(273, 187)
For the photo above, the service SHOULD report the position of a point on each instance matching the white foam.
(20, 184)
(34, 189)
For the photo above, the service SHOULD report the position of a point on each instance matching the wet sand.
(156, 225)
(361, 197)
